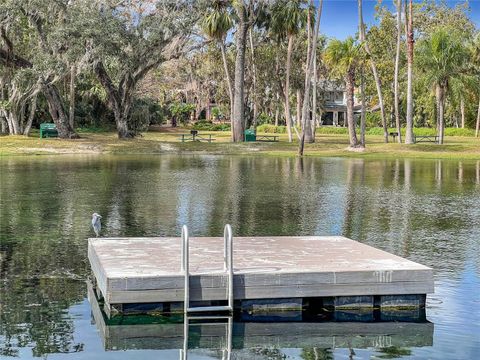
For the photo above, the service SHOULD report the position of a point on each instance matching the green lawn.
(155, 142)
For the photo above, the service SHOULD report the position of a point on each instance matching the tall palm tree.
(343, 59)
(288, 18)
(409, 137)
(397, 68)
(376, 76)
(443, 56)
(308, 132)
(474, 49)
(216, 23)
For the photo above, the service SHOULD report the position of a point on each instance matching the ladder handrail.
(228, 241)
(185, 267)
(227, 266)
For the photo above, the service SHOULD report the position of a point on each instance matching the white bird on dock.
(96, 224)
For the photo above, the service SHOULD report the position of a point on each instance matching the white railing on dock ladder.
(227, 268)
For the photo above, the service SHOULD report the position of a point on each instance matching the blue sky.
(340, 17)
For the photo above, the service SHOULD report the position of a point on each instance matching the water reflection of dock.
(134, 332)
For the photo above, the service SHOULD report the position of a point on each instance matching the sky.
(340, 17)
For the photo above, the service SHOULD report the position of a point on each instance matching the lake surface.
(426, 211)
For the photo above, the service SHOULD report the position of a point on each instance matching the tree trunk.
(229, 82)
(477, 128)
(362, 77)
(298, 119)
(440, 94)
(314, 92)
(375, 74)
(363, 122)
(350, 89)
(409, 136)
(397, 69)
(307, 134)
(33, 108)
(238, 104)
(254, 82)
(119, 104)
(57, 111)
(277, 113)
(462, 111)
(288, 117)
(71, 111)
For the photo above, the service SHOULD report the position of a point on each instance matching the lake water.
(426, 211)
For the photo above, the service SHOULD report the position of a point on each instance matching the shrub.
(209, 126)
(271, 129)
(331, 130)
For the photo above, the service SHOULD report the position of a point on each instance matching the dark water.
(426, 211)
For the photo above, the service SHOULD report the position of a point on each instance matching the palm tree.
(373, 65)
(442, 57)
(343, 59)
(288, 18)
(308, 132)
(216, 24)
(409, 137)
(474, 49)
(397, 68)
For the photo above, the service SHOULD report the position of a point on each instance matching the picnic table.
(267, 138)
(426, 138)
(195, 136)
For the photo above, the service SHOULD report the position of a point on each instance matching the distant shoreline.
(326, 145)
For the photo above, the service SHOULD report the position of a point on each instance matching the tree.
(308, 134)
(216, 24)
(442, 57)
(43, 59)
(247, 11)
(397, 69)
(342, 58)
(374, 71)
(288, 17)
(409, 136)
(127, 40)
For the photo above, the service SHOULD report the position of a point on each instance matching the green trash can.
(250, 135)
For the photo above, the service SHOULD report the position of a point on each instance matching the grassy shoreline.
(326, 145)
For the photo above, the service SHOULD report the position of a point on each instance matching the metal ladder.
(227, 268)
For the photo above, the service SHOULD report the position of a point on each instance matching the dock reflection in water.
(224, 337)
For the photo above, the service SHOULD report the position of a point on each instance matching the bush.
(459, 132)
(221, 127)
(209, 126)
(331, 130)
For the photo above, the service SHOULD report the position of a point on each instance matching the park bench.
(48, 130)
(195, 136)
(426, 138)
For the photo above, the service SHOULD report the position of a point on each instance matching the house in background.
(334, 103)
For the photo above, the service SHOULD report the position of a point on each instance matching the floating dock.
(267, 272)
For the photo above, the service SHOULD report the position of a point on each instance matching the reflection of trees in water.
(414, 212)
(420, 209)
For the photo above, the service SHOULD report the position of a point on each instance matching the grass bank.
(167, 141)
